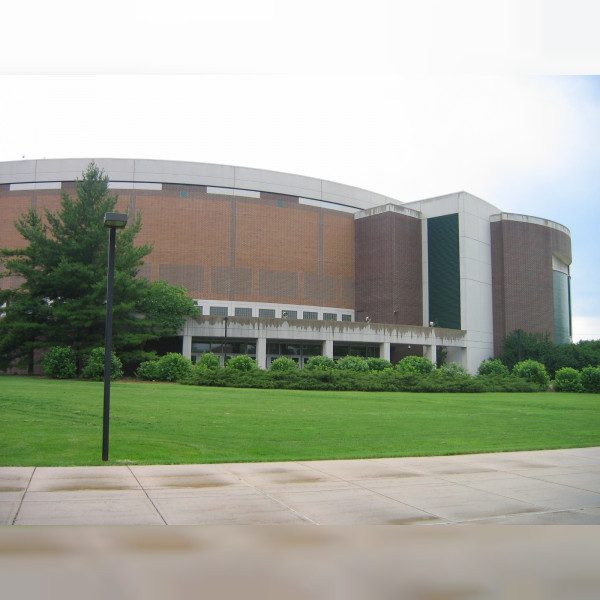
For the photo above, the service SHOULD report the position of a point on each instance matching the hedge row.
(375, 381)
(412, 374)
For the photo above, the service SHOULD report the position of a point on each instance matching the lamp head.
(115, 220)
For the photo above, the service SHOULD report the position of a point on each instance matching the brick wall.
(388, 269)
(522, 280)
(223, 247)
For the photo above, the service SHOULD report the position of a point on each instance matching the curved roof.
(192, 173)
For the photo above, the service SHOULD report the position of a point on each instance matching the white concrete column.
(385, 350)
(327, 348)
(457, 355)
(430, 351)
(261, 352)
(186, 349)
(470, 358)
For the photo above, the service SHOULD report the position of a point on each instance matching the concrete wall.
(325, 332)
(475, 269)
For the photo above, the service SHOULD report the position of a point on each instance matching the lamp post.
(112, 221)
(225, 321)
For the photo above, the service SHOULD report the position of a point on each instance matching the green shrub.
(453, 369)
(283, 363)
(379, 364)
(148, 371)
(242, 363)
(568, 379)
(173, 367)
(436, 381)
(590, 379)
(493, 367)
(532, 371)
(499, 383)
(286, 379)
(209, 360)
(202, 375)
(352, 363)
(94, 368)
(60, 363)
(415, 364)
(319, 363)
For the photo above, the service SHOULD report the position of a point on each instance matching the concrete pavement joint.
(372, 491)
(472, 487)
(23, 497)
(574, 487)
(147, 496)
(267, 495)
(533, 478)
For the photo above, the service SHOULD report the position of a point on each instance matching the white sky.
(407, 98)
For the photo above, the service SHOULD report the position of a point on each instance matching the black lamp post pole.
(112, 221)
(108, 340)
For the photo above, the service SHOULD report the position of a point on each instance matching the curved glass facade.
(562, 307)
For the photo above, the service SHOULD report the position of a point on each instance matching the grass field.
(48, 422)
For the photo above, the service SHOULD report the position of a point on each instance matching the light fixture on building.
(431, 324)
(368, 319)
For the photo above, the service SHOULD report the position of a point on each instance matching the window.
(310, 315)
(289, 314)
(223, 351)
(346, 317)
(287, 349)
(243, 312)
(329, 317)
(311, 349)
(219, 311)
(237, 348)
(272, 348)
(266, 313)
(200, 347)
(351, 350)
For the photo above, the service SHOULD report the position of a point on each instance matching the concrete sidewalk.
(532, 488)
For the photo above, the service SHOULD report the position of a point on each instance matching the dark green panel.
(444, 271)
(562, 308)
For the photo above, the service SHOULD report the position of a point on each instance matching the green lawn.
(49, 422)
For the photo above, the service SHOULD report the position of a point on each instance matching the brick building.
(286, 265)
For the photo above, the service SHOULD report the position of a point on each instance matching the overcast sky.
(410, 99)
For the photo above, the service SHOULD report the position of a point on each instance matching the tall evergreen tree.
(63, 269)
